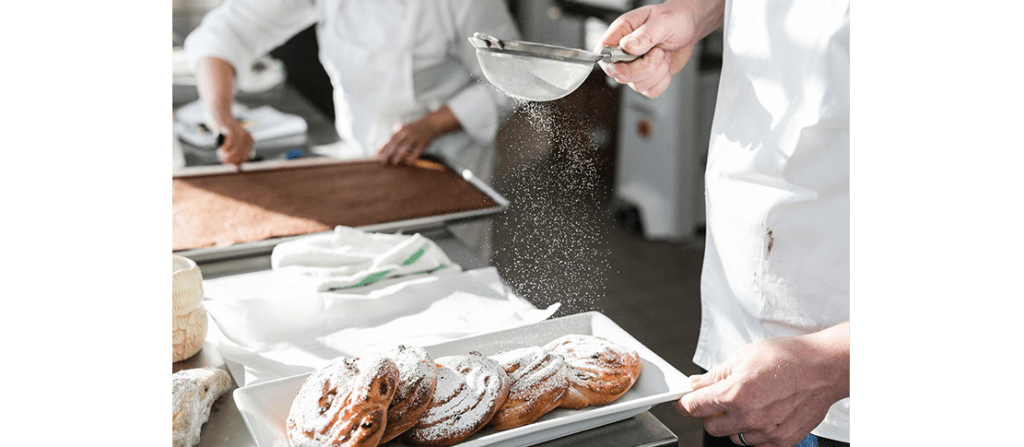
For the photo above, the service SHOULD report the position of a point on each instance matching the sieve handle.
(616, 54)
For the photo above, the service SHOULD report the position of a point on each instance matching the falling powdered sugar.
(557, 250)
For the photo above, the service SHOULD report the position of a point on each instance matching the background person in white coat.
(775, 292)
(406, 81)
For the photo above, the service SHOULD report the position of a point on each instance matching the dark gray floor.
(560, 241)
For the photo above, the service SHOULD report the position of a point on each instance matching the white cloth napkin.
(349, 258)
(269, 338)
(264, 123)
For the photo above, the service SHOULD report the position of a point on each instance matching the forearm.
(215, 80)
(833, 348)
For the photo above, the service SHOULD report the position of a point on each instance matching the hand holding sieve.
(538, 72)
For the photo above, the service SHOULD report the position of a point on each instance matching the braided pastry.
(540, 382)
(470, 389)
(416, 382)
(343, 404)
(600, 370)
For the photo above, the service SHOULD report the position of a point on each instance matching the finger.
(716, 375)
(644, 72)
(396, 157)
(750, 437)
(388, 150)
(223, 152)
(242, 153)
(695, 377)
(612, 70)
(229, 155)
(415, 153)
(639, 67)
(622, 26)
(236, 148)
(682, 411)
(384, 153)
(652, 90)
(701, 403)
(736, 439)
(650, 33)
(702, 381)
(725, 425)
(223, 156)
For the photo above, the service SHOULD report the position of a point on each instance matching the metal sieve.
(538, 72)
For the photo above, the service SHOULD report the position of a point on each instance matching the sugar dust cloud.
(557, 250)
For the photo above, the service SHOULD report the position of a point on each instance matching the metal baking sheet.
(264, 247)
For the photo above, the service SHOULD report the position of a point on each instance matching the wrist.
(441, 121)
(224, 123)
(833, 348)
(707, 16)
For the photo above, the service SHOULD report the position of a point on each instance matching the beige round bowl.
(189, 318)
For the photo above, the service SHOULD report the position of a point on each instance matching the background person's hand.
(237, 146)
(665, 34)
(408, 141)
(775, 391)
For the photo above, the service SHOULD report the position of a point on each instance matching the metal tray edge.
(258, 248)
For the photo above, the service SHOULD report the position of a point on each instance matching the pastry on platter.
(343, 404)
(416, 382)
(539, 384)
(193, 393)
(600, 370)
(470, 389)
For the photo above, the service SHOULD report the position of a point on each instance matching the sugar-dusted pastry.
(539, 384)
(600, 370)
(343, 404)
(470, 389)
(416, 382)
(193, 393)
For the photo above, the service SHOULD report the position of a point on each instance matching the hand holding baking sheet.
(408, 141)
(774, 391)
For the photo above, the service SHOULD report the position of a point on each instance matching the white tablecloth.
(266, 332)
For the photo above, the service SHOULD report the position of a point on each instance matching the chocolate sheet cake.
(229, 208)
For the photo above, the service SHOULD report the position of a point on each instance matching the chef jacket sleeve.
(241, 31)
(479, 107)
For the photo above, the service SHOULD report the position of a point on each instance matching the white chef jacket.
(390, 62)
(777, 191)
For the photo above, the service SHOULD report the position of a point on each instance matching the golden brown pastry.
(193, 393)
(540, 382)
(600, 370)
(470, 389)
(343, 404)
(416, 381)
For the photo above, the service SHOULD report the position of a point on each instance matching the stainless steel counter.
(226, 427)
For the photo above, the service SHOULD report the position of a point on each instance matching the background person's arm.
(215, 80)
(229, 39)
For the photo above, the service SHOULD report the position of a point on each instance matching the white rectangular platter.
(264, 407)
